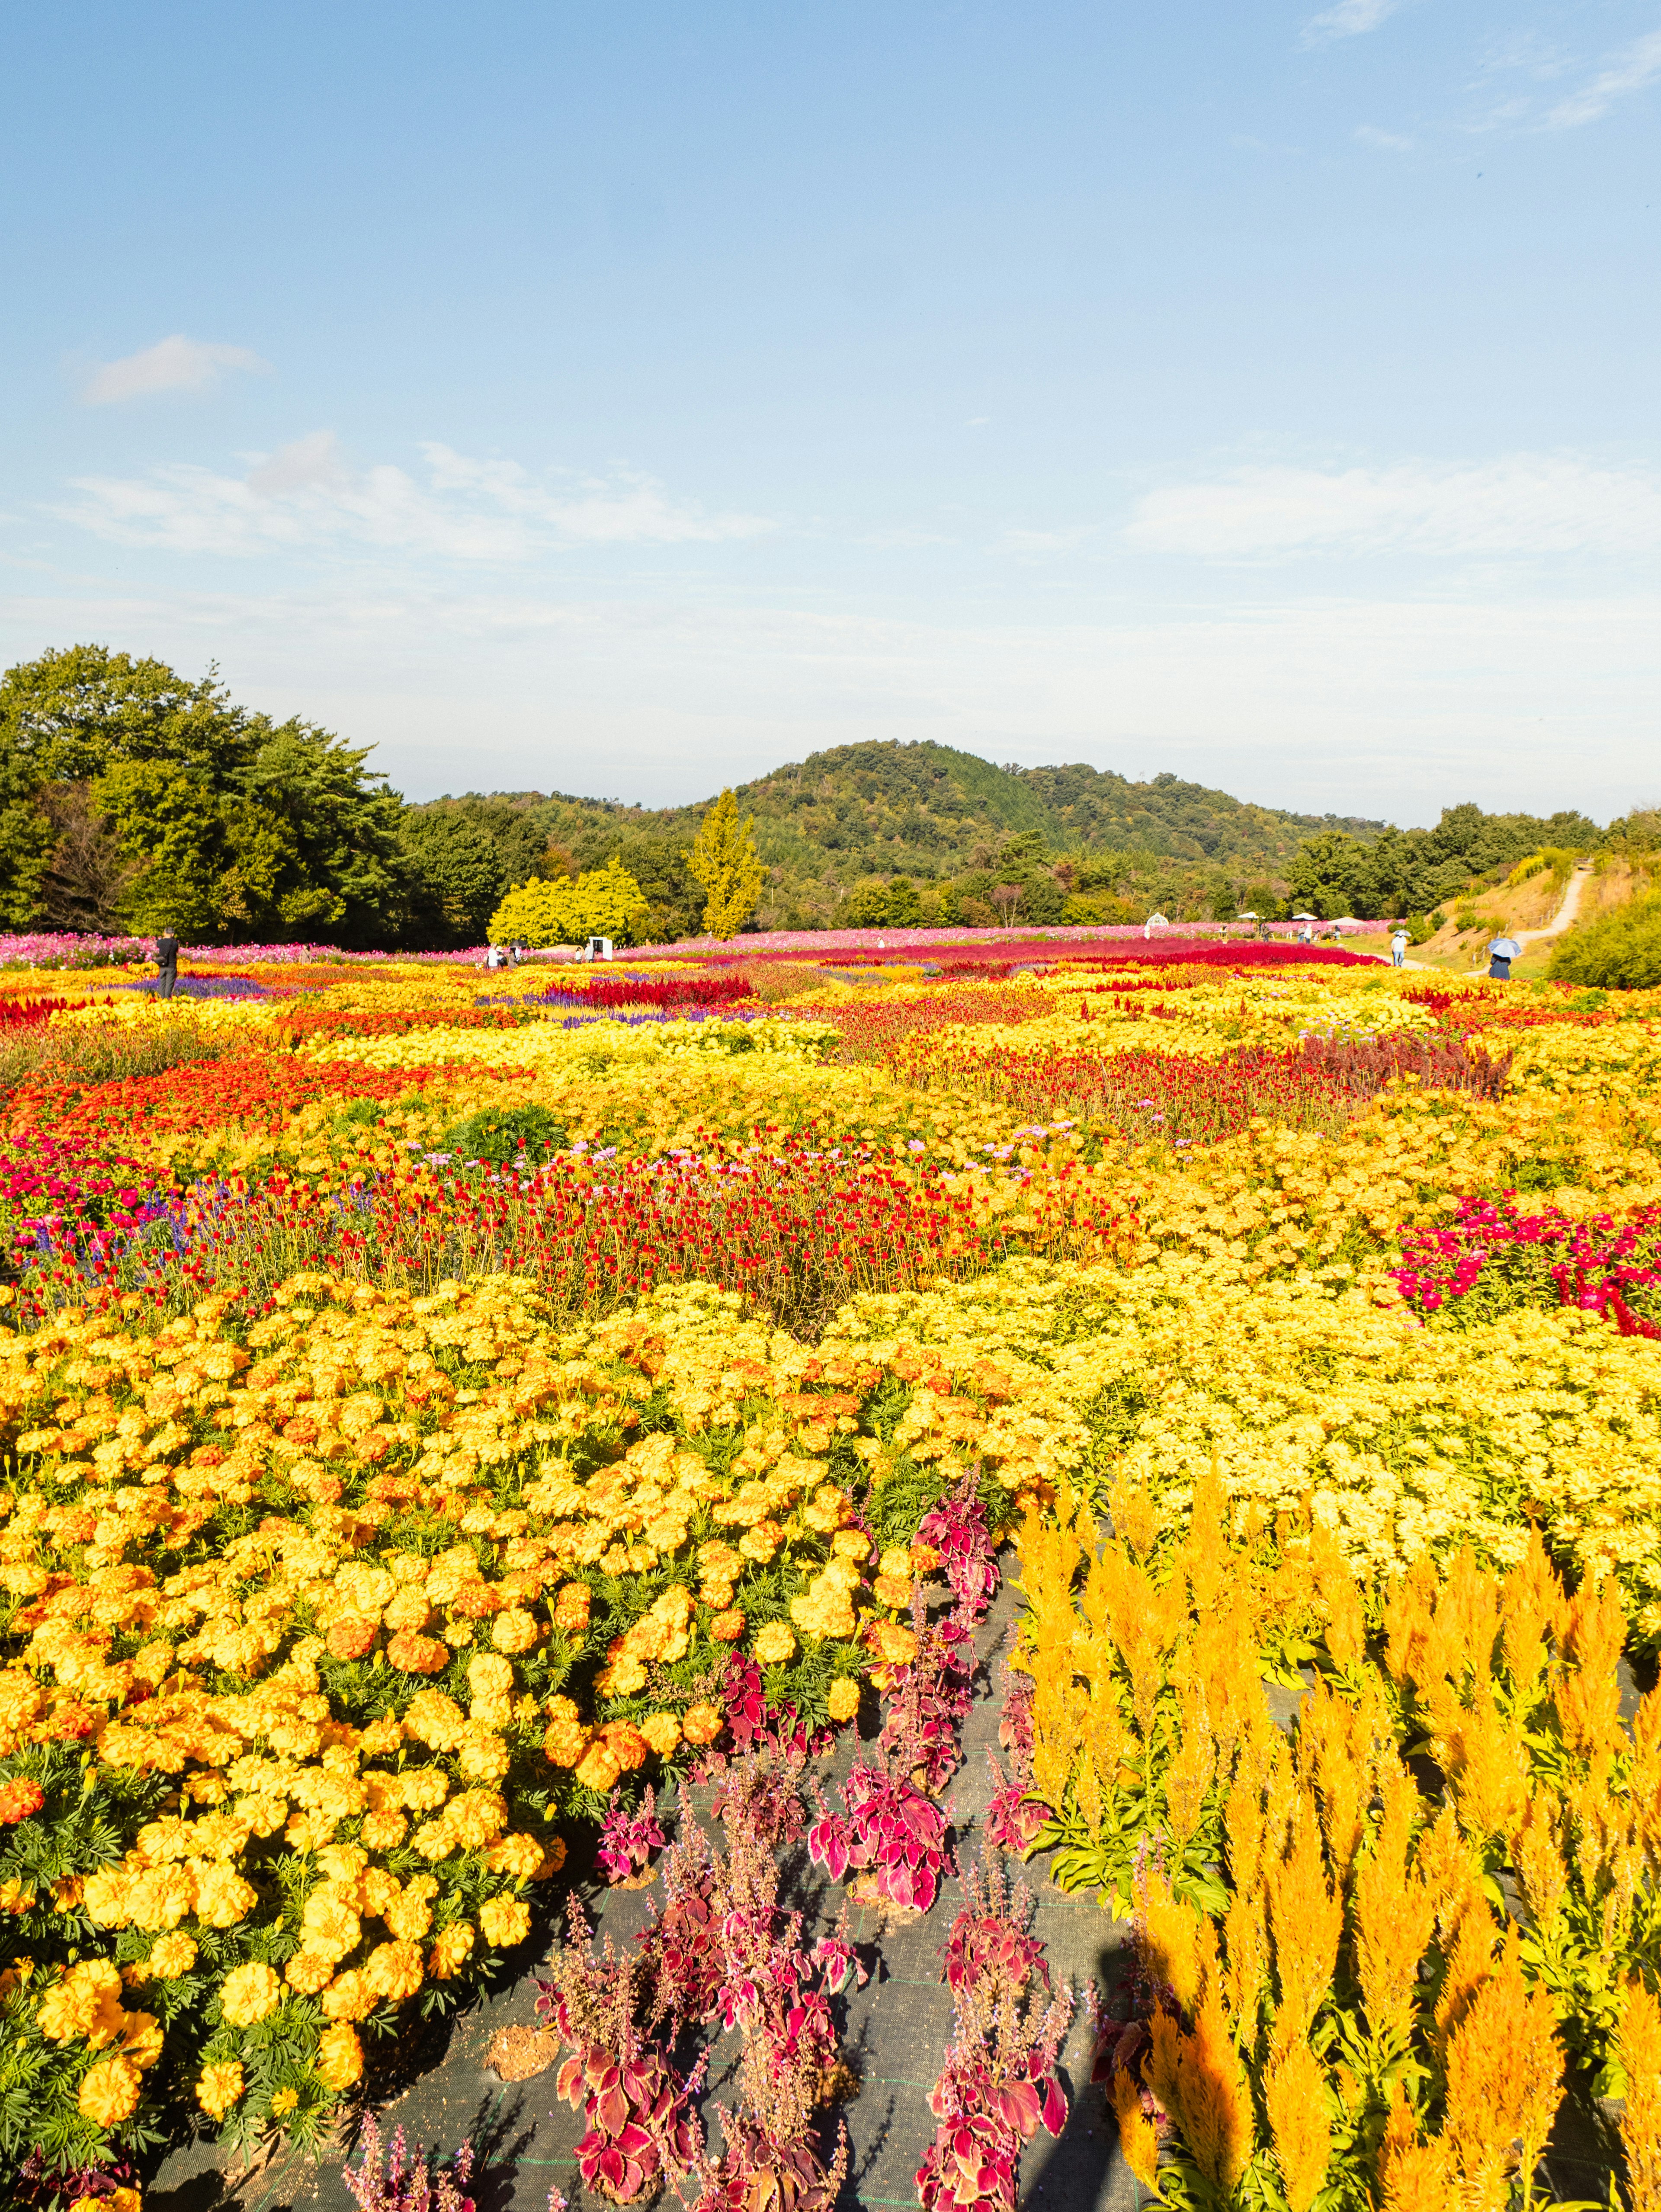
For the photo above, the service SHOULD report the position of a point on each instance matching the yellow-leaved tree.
(604, 902)
(724, 859)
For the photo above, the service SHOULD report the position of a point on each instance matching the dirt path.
(1579, 877)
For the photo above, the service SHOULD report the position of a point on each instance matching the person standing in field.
(167, 963)
(1398, 948)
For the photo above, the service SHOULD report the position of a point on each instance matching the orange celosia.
(1138, 2137)
(1640, 2049)
(1294, 2092)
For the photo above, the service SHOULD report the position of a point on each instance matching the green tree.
(459, 870)
(1619, 952)
(724, 859)
(130, 796)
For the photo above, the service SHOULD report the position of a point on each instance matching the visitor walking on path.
(1398, 948)
(1501, 952)
(167, 963)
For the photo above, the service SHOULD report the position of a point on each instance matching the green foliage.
(603, 903)
(131, 797)
(501, 1134)
(1410, 871)
(725, 861)
(1619, 952)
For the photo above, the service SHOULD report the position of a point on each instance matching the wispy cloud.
(1350, 19)
(308, 494)
(1630, 72)
(174, 364)
(1526, 504)
(1386, 142)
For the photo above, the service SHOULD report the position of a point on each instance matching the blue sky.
(627, 398)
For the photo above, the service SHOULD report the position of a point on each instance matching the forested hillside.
(131, 796)
(837, 826)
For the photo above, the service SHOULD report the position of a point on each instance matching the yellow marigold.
(775, 1645)
(662, 1732)
(86, 2000)
(343, 1862)
(599, 1767)
(518, 1855)
(450, 1951)
(109, 2092)
(393, 1971)
(893, 1643)
(624, 1678)
(435, 1839)
(728, 1627)
(434, 1719)
(489, 1676)
(504, 1921)
(843, 1699)
(478, 1816)
(170, 1956)
(701, 1723)
(309, 1971)
(222, 1897)
(248, 1993)
(348, 1996)
(384, 1831)
(141, 2038)
(485, 1757)
(284, 2101)
(339, 2060)
(328, 1925)
(219, 2088)
(107, 1897)
(567, 1739)
(410, 1915)
(516, 1630)
(161, 1896)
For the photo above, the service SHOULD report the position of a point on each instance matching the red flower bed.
(1143, 1095)
(872, 1027)
(1494, 1257)
(264, 1087)
(667, 991)
(24, 1013)
(799, 1228)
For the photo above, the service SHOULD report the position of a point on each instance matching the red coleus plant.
(1014, 1820)
(639, 2110)
(998, 2086)
(892, 1832)
(628, 1839)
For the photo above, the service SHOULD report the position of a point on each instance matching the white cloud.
(307, 494)
(1350, 19)
(1526, 504)
(1049, 541)
(1365, 134)
(1380, 705)
(1639, 66)
(175, 364)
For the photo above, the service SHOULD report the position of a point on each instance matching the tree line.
(131, 796)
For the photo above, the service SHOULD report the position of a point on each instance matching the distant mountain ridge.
(926, 810)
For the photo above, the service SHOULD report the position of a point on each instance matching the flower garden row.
(440, 1406)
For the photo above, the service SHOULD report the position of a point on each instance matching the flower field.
(442, 1410)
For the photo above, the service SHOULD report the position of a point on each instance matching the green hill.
(858, 816)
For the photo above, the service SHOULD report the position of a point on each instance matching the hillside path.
(1579, 877)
